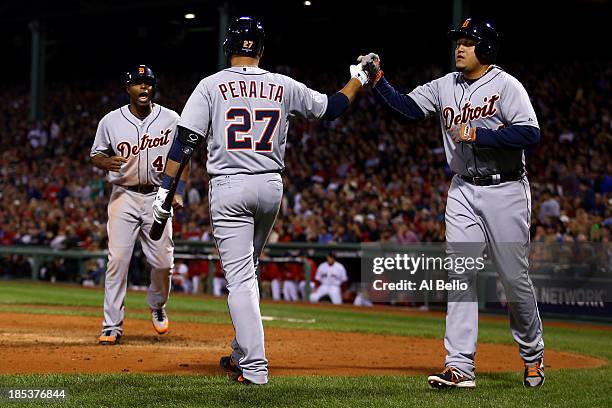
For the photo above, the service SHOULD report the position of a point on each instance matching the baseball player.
(243, 114)
(291, 272)
(219, 282)
(487, 121)
(270, 272)
(302, 279)
(131, 144)
(332, 275)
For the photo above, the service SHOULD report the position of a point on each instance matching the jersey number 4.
(158, 164)
(241, 124)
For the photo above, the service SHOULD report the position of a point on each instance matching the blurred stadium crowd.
(364, 177)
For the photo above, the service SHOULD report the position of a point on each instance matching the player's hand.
(158, 212)
(113, 163)
(464, 133)
(358, 73)
(177, 201)
(371, 66)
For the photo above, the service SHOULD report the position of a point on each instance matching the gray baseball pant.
(499, 215)
(130, 215)
(243, 209)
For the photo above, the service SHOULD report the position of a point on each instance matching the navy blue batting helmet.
(245, 36)
(485, 36)
(140, 74)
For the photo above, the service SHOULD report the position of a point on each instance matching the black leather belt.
(142, 188)
(494, 178)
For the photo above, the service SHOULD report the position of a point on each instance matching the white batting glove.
(358, 73)
(158, 212)
(371, 66)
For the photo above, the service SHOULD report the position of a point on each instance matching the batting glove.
(158, 212)
(464, 133)
(371, 65)
(358, 73)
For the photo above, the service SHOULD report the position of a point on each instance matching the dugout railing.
(38, 256)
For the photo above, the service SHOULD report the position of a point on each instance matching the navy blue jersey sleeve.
(511, 137)
(337, 104)
(398, 103)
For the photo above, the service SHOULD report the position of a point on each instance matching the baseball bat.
(158, 227)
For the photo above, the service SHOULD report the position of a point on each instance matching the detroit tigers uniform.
(244, 113)
(498, 214)
(145, 144)
(331, 277)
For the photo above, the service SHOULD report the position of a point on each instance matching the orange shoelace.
(454, 375)
(532, 371)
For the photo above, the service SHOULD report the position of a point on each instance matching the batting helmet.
(140, 74)
(245, 36)
(485, 36)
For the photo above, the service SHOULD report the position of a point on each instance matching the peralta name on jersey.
(252, 89)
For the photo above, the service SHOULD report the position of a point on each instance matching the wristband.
(180, 187)
(166, 182)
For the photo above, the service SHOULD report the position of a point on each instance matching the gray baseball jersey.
(497, 214)
(245, 111)
(494, 101)
(145, 144)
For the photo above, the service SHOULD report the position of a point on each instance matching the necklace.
(490, 67)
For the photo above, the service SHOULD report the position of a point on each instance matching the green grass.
(563, 387)
(575, 388)
(208, 310)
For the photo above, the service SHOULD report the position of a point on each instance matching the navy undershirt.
(337, 104)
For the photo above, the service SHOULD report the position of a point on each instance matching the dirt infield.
(67, 344)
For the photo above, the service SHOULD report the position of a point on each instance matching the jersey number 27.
(241, 124)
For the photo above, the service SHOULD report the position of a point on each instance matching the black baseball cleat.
(241, 380)
(534, 374)
(229, 366)
(450, 378)
(234, 372)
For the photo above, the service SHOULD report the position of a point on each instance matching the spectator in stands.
(549, 207)
(193, 195)
(384, 182)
